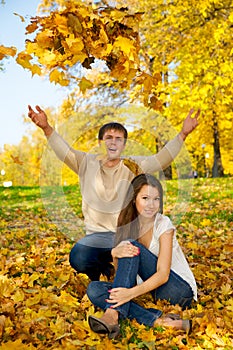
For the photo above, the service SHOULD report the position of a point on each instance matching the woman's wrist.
(135, 292)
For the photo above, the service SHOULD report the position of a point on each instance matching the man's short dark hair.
(114, 126)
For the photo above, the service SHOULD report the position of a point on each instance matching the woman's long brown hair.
(127, 224)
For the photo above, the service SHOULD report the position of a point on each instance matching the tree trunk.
(166, 173)
(217, 169)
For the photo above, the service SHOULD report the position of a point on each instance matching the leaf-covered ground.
(42, 300)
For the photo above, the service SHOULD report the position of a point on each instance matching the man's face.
(114, 142)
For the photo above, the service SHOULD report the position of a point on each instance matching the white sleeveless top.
(179, 263)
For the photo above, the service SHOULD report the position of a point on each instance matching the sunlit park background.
(142, 63)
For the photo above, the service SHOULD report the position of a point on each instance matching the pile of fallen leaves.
(43, 304)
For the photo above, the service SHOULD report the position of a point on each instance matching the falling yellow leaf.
(58, 77)
(74, 24)
(61, 23)
(125, 44)
(7, 51)
(23, 59)
(134, 167)
(35, 69)
(85, 84)
(75, 45)
(21, 17)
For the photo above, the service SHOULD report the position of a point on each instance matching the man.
(103, 182)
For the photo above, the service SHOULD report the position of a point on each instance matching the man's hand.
(190, 123)
(40, 119)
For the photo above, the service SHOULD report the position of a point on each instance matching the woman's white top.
(179, 263)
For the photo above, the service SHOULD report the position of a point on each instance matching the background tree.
(191, 43)
(173, 66)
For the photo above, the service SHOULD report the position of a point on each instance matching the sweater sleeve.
(72, 158)
(162, 159)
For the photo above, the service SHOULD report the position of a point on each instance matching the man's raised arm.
(40, 119)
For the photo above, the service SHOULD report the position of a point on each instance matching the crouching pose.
(147, 258)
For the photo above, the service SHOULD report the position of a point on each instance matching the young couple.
(104, 182)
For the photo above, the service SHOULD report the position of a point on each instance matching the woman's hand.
(119, 296)
(125, 250)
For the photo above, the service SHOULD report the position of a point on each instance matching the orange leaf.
(16, 160)
(31, 28)
(23, 59)
(7, 51)
(21, 17)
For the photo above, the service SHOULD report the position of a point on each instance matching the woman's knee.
(96, 290)
(137, 244)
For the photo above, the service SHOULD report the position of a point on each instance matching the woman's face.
(147, 201)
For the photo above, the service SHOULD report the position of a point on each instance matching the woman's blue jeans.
(91, 255)
(175, 290)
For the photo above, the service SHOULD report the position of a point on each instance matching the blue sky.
(17, 86)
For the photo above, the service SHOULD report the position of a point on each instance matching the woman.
(146, 247)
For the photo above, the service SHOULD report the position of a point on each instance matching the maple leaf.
(206, 222)
(74, 24)
(35, 69)
(126, 45)
(228, 248)
(23, 59)
(18, 296)
(34, 300)
(58, 77)
(7, 51)
(34, 277)
(31, 27)
(6, 286)
(226, 289)
(16, 345)
(61, 23)
(136, 170)
(87, 62)
(20, 16)
(2, 324)
(75, 45)
(85, 84)
(16, 160)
